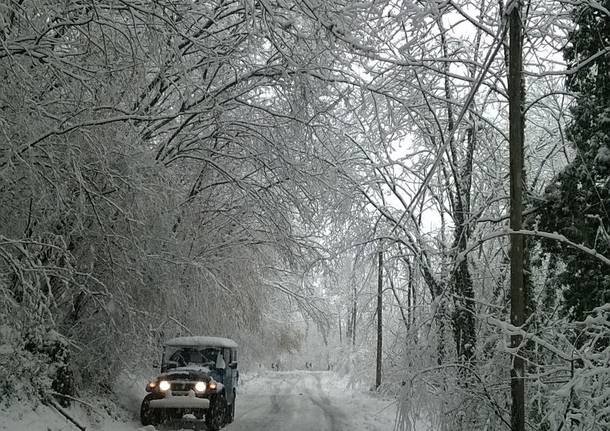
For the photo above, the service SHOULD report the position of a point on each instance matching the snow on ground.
(268, 401)
(25, 417)
(306, 400)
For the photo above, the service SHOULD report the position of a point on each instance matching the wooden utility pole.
(517, 287)
(379, 318)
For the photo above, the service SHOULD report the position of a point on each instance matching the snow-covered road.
(266, 401)
(304, 401)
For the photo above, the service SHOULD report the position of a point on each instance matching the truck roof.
(196, 341)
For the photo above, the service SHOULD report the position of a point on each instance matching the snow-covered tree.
(576, 203)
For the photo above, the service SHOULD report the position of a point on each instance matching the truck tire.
(215, 417)
(230, 417)
(149, 416)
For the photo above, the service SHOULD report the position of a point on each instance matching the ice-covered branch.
(552, 236)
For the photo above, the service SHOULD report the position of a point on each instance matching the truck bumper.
(180, 402)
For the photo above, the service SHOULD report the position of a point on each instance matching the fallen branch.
(64, 413)
(86, 404)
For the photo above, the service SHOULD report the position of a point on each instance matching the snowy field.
(269, 401)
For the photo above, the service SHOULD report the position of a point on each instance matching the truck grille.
(178, 387)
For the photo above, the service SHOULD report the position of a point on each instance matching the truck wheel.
(231, 412)
(215, 416)
(148, 415)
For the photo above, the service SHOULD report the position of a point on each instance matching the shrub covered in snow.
(34, 364)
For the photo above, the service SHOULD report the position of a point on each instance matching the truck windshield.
(184, 356)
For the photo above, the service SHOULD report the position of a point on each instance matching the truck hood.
(186, 373)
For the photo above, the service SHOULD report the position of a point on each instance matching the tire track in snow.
(297, 401)
(335, 415)
(273, 407)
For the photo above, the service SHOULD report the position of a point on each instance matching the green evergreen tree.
(577, 202)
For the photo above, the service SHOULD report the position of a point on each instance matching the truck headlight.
(164, 385)
(200, 386)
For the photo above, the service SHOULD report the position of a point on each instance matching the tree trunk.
(354, 313)
(379, 319)
(462, 318)
(401, 308)
(517, 315)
